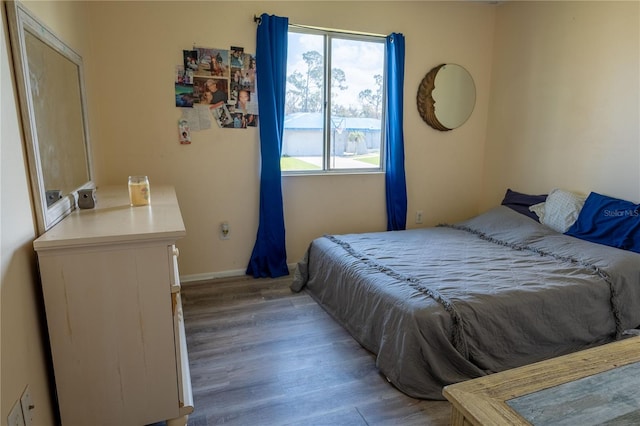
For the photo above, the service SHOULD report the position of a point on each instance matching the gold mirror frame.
(427, 104)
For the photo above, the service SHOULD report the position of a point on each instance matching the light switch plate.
(15, 417)
(27, 407)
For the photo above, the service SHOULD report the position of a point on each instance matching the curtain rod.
(257, 19)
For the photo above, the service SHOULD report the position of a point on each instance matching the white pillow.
(560, 210)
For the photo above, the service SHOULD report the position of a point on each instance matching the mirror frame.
(426, 103)
(20, 21)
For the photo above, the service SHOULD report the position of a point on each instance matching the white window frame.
(328, 35)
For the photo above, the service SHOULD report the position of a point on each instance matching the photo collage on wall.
(224, 81)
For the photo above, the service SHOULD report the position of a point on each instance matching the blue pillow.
(521, 202)
(609, 221)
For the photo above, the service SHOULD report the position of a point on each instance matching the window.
(334, 102)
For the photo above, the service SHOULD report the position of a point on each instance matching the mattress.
(446, 304)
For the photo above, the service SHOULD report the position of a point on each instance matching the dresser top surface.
(113, 220)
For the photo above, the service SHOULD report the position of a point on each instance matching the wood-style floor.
(263, 355)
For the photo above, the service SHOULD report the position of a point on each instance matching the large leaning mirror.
(446, 97)
(50, 82)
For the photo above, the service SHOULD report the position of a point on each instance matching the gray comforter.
(449, 303)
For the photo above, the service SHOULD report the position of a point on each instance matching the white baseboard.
(185, 279)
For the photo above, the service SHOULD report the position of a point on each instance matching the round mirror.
(446, 97)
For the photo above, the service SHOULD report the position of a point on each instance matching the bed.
(446, 304)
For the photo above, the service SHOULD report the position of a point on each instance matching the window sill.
(334, 173)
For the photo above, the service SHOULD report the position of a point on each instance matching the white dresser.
(112, 297)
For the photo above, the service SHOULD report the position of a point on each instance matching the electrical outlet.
(27, 406)
(419, 215)
(225, 231)
(15, 417)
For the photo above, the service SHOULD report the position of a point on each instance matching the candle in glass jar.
(139, 193)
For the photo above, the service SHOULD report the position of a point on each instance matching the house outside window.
(334, 103)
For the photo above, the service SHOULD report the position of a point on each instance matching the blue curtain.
(269, 256)
(395, 181)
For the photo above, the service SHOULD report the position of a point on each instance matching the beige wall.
(136, 46)
(563, 80)
(23, 352)
(24, 347)
(565, 99)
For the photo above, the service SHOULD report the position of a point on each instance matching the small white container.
(139, 191)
